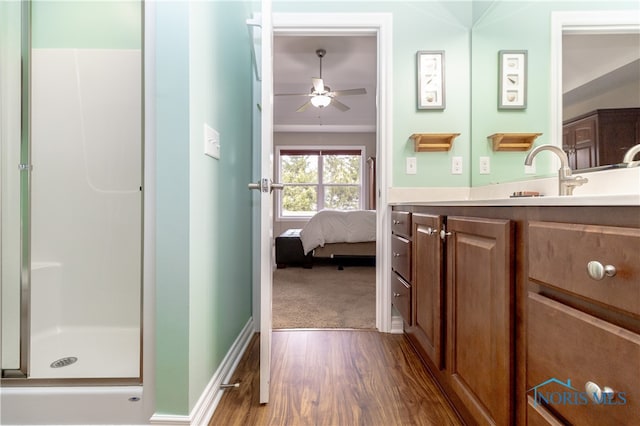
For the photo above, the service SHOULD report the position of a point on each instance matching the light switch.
(211, 142)
(412, 166)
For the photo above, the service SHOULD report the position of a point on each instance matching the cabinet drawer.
(569, 346)
(401, 291)
(559, 254)
(401, 223)
(401, 256)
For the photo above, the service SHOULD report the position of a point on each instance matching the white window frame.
(278, 170)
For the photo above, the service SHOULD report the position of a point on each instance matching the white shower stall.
(86, 213)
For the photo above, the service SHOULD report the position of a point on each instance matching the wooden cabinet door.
(584, 132)
(427, 287)
(479, 296)
(579, 141)
(569, 145)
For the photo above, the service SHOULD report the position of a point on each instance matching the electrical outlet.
(456, 165)
(485, 165)
(412, 166)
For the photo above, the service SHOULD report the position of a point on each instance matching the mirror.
(598, 96)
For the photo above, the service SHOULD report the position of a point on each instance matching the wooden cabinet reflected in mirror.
(601, 137)
(600, 96)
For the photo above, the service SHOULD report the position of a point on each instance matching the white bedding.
(338, 226)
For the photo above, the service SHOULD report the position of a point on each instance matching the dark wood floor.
(335, 377)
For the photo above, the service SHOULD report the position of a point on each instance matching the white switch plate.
(412, 166)
(456, 165)
(485, 165)
(211, 142)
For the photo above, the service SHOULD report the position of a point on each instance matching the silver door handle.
(265, 185)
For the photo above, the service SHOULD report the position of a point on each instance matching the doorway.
(321, 155)
(377, 27)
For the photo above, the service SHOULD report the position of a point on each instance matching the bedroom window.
(316, 179)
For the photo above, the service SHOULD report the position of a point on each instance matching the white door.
(265, 187)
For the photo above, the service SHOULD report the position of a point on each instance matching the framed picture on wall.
(430, 79)
(512, 78)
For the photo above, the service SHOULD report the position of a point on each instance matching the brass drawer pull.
(396, 254)
(396, 294)
(598, 271)
(396, 222)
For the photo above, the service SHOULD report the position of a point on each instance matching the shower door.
(10, 134)
(81, 207)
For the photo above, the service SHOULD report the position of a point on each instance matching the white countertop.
(619, 187)
(575, 200)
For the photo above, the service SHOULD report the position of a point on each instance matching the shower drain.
(63, 362)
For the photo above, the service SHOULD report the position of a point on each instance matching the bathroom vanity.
(507, 316)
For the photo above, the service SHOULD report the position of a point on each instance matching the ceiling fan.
(321, 95)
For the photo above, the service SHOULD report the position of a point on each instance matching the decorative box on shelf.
(424, 142)
(512, 141)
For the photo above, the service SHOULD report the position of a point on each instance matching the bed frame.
(289, 252)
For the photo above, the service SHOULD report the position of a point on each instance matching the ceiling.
(350, 63)
(597, 63)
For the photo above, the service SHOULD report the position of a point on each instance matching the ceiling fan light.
(320, 101)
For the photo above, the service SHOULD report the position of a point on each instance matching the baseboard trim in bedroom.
(397, 326)
(210, 397)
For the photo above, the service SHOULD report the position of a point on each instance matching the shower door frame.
(25, 197)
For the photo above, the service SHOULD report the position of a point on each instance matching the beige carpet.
(324, 297)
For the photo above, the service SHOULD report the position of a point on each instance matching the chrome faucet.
(566, 182)
(628, 156)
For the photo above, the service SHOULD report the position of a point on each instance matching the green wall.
(221, 96)
(172, 208)
(204, 209)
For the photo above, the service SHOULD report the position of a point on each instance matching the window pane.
(299, 168)
(299, 200)
(342, 197)
(341, 169)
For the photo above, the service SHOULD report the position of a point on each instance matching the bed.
(338, 235)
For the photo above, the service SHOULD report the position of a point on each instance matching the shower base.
(100, 353)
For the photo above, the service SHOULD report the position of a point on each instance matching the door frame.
(379, 24)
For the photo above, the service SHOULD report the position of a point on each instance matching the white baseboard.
(208, 401)
(397, 325)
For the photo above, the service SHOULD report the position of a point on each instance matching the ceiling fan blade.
(318, 85)
(342, 107)
(348, 92)
(291, 94)
(304, 107)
